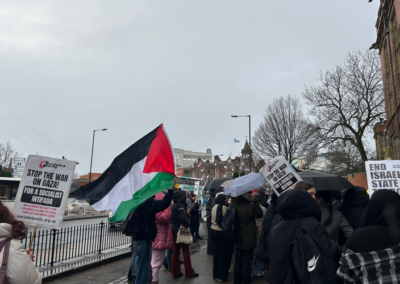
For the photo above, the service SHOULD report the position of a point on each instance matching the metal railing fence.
(52, 246)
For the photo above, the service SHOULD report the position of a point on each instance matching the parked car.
(76, 206)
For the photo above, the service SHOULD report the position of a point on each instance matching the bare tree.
(285, 131)
(7, 154)
(348, 100)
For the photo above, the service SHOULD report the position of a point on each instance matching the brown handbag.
(3, 269)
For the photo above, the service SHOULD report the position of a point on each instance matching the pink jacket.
(164, 238)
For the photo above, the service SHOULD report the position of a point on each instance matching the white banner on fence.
(280, 175)
(383, 175)
(43, 191)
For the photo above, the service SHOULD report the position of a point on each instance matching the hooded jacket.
(247, 212)
(147, 211)
(372, 252)
(296, 207)
(20, 268)
(178, 211)
(164, 238)
(380, 222)
(354, 202)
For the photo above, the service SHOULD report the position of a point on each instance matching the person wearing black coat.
(195, 220)
(178, 218)
(372, 252)
(142, 245)
(354, 202)
(269, 215)
(298, 210)
(208, 213)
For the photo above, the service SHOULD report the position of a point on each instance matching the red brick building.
(208, 170)
(388, 27)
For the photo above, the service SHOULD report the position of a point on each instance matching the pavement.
(115, 272)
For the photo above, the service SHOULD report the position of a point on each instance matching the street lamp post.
(91, 159)
(249, 116)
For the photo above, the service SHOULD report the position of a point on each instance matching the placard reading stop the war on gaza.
(383, 175)
(43, 191)
(280, 175)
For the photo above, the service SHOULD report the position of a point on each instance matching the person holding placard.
(20, 267)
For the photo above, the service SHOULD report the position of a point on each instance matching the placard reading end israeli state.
(43, 191)
(280, 175)
(383, 175)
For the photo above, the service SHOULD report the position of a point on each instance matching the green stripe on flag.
(160, 182)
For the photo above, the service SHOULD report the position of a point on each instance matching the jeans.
(132, 269)
(143, 251)
(175, 265)
(169, 258)
(259, 266)
(242, 268)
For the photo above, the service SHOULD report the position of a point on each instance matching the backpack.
(310, 261)
(133, 224)
(230, 224)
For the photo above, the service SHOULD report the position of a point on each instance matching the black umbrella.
(212, 185)
(206, 187)
(324, 181)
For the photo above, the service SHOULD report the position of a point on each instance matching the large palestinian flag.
(141, 171)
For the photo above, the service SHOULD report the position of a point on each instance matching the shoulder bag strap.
(183, 211)
(3, 269)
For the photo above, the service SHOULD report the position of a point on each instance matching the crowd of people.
(156, 244)
(302, 236)
(310, 236)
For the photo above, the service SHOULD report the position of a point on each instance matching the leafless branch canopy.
(7, 153)
(285, 131)
(349, 99)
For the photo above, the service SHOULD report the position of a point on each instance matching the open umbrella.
(324, 181)
(216, 183)
(226, 183)
(245, 184)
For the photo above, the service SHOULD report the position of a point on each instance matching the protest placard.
(43, 191)
(383, 175)
(280, 175)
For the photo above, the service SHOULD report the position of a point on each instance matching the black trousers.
(194, 229)
(223, 250)
(242, 268)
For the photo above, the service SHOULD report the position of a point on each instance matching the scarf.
(383, 209)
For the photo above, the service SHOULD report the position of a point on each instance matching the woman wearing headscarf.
(372, 253)
(355, 200)
(298, 210)
(223, 248)
(178, 218)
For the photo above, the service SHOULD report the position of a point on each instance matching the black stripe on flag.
(119, 168)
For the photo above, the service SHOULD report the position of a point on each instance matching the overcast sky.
(69, 67)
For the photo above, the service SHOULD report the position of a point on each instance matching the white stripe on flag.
(125, 188)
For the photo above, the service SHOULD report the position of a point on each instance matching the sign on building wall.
(280, 175)
(383, 175)
(43, 191)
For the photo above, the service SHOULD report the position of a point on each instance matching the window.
(229, 166)
(229, 175)
(385, 139)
